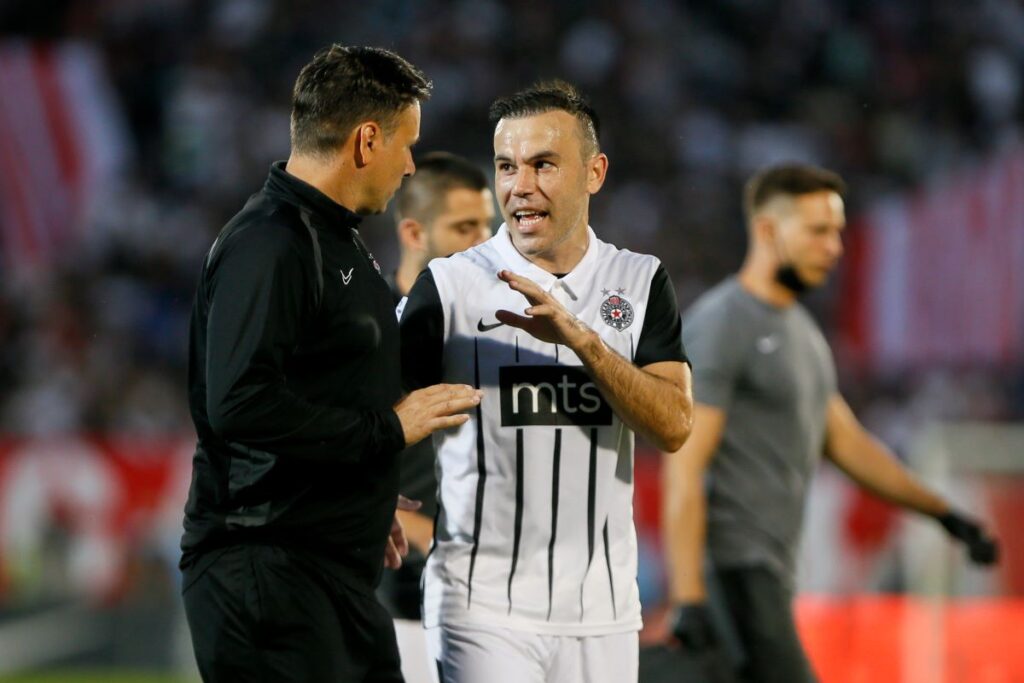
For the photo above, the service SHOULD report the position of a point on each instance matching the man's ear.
(369, 137)
(597, 170)
(412, 235)
(764, 228)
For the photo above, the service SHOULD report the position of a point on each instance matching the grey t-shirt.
(771, 370)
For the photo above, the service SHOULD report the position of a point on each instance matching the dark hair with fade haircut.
(422, 196)
(550, 96)
(343, 86)
(788, 180)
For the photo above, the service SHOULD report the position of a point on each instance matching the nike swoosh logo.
(345, 279)
(487, 328)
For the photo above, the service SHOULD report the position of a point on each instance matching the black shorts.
(265, 613)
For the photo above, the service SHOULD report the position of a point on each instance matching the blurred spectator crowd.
(693, 97)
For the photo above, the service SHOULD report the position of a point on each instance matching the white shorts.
(417, 665)
(475, 653)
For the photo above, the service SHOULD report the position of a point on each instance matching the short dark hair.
(549, 96)
(791, 180)
(343, 86)
(422, 196)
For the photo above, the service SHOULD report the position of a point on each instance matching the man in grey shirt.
(767, 408)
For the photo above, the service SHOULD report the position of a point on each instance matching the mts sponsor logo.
(550, 395)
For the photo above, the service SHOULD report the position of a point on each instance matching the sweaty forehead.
(522, 137)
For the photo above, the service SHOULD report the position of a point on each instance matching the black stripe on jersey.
(554, 518)
(556, 353)
(519, 514)
(517, 348)
(608, 561)
(591, 494)
(632, 350)
(433, 545)
(481, 467)
(591, 497)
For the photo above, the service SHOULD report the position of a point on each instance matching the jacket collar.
(283, 184)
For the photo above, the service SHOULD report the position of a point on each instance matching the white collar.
(518, 263)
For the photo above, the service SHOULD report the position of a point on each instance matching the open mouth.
(528, 218)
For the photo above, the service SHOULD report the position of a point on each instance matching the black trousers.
(263, 613)
(760, 605)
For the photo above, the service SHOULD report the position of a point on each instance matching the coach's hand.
(981, 548)
(398, 545)
(546, 318)
(424, 411)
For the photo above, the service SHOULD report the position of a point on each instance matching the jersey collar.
(523, 266)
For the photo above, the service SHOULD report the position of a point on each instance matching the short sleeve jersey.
(535, 520)
(771, 370)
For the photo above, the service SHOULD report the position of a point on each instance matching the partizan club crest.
(615, 310)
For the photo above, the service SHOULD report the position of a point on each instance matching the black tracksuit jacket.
(293, 372)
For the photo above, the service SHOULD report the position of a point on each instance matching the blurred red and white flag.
(937, 276)
(61, 138)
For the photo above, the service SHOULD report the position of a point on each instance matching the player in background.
(446, 207)
(576, 345)
(767, 408)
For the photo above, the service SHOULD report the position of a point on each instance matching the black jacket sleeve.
(261, 289)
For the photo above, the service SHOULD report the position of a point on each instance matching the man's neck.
(408, 270)
(757, 276)
(326, 176)
(563, 257)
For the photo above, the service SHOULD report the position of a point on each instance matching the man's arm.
(684, 505)
(419, 529)
(872, 465)
(654, 401)
(260, 292)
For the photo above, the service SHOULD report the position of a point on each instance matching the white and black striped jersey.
(534, 528)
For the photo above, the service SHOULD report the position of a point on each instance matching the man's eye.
(504, 167)
(544, 164)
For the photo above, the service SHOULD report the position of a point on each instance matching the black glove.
(981, 548)
(690, 624)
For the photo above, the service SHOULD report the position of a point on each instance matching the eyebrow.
(545, 154)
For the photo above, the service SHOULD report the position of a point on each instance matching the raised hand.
(546, 318)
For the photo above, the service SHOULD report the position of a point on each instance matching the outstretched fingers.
(524, 285)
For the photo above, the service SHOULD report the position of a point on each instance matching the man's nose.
(526, 182)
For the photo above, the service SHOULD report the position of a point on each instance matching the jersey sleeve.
(716, 350)
(661, 336)
(417, 479)
(260, 293)
(422, 330)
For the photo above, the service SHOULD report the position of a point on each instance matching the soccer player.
(576, 346)
(767, 409)
(447, 207)
(295, 393)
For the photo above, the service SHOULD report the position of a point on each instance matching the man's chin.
(529, 245)
(371, 210)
